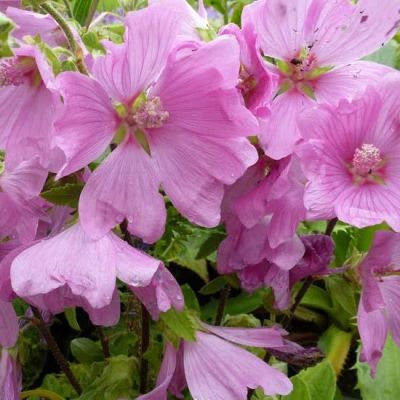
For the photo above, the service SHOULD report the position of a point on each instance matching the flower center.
(367, 163)
(14, 70)
(148, 114)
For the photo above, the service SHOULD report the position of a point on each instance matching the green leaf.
(386, 55)
(365, 236)
(108, 5)
(300, 390)
(320, 381)
(210, 244)
(180, 323)
(191, 301)
(66, 195)
(70, 315)
(6, 26)
(215, 286)
(42, 393)
(386, 384)
(92, 42)
(81, 9)
(342, 239)
(86, 351)
(317, 298)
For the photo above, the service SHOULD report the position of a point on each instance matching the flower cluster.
(262, 130)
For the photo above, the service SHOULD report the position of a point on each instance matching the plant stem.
(330, 226)
(226, 12)
(63, 24)
(103, 341)
(55, 350)
(144, 345)
(222, 303)
(92, 10)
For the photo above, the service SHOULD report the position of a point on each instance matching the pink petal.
(218, 370)
(373, 330)
(131, 67)
(194, 169)
(199, 92)
(108, 315)
(390, 287)
(87, 123)
(57, 262)
(278, 139)
(255, 337)
(10, 376)
(165, 375)
(9, 328)
(124, 186)
(344, 32)
(279, 24)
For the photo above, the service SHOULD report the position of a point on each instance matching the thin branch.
(92, 10)
(104, 341)
(55, 350)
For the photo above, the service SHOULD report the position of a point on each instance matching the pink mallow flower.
(27, 108)
(261, 212)
(351, 158)
(20, 204)
(183, 122)
(315, 45)
(317, 257)
(71, 269)
(378, 310)
(213, 367)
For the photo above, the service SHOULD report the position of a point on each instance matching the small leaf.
(300, 390)
(66, 195)
(86, 351)
(210, 245)
(70, 315)
(180, 323)
(191, 301)
(215, 286)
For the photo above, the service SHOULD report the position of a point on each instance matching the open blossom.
(261, 212)
(184, 127)
(315, 45)
(378, 310)
(27, 108)
(215, 368)
(71, 269)
(351, 158)
(20, 204)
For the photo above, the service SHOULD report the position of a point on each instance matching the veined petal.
(87, 123)
(125, 185)
(129, 68)
(216, 369)
(8, 325)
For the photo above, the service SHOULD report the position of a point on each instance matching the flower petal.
(9, 328)
(124, 186)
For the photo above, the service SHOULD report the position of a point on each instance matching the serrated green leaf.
(70, 316)
(386, 384)
(215, 286)
(66, 195)
(86, 351)
(180, 323)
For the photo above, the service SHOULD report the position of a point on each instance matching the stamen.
(150, 114)
(10, 73)
(366, 160)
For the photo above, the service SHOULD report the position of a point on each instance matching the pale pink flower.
(378, 310)
(214, 368)
(184, 126)
(70, 269)
(316, 44)
(20, 204)
(351, 158)
(27, 108)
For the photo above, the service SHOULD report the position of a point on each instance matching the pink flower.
(27, 107)
(9, 328)
(71, 269)
(315, 44)
(257, 82)
(20, 204)
(378, 310)
(316, 259)
(31, 23)
(351, 158)
(214, 368)
(262, 211)
(184, 127)
(10, 377)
